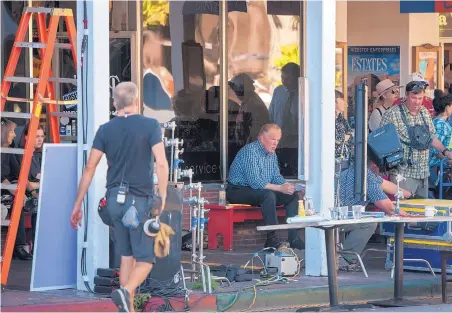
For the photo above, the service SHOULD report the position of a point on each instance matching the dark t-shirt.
(127, 142)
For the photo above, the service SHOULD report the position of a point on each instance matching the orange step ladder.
(43, 93)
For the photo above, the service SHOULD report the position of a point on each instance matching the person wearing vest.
(387, 93)
(417, 134)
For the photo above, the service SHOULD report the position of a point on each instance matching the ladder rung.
(44, 100)
(9, 186)
(12, 150)
(16, 115)
(37, 45)
(28, 80)
(37, 10)
(63, 80)
(14, 99)
(59, 102)
(64, 114)
(52, 11)
(34, 80)
(40, 45)
(63, 45)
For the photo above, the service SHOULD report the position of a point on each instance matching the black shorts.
(131, 242)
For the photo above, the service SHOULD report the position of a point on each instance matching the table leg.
(330, 243)
(398, 300)
(331, 265)
(398, 258)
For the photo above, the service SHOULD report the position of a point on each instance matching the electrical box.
(286, 264)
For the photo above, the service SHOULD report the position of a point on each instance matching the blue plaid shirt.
(254, 167)
(443, 132)
(374, 190)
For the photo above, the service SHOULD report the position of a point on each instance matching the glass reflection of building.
(179, 45)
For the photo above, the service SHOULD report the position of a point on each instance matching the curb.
(269, 300)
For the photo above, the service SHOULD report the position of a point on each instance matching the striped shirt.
(254, 167)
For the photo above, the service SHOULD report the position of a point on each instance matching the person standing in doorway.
(130, 142)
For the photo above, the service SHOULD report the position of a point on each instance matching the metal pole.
(331, 265)
(224, 88)
(398, 258)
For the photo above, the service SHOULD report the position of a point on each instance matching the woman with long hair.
(10, 174)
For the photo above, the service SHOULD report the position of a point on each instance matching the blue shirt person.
(376, 193)
(255, 179)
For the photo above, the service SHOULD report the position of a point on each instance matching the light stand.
(196, 206)
(399, 194)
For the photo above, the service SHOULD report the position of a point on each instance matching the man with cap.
(417, 134)
(387, 93)
(427, 102)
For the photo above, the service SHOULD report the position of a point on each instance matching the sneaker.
(344, 266)
(121, 298)
(273, 243)
(297, 244)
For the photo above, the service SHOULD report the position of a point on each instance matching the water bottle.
(222, 196)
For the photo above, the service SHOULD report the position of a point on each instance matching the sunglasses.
(416, 87)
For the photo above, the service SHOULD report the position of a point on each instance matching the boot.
(21, 254)
(272, 240)
(295, 240)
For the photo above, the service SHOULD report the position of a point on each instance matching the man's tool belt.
(419, 135)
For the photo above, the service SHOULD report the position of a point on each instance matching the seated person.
(34, 176)
(10, 173)
(255, 179)
(359, 235)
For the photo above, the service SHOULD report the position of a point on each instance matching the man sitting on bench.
(255, 179)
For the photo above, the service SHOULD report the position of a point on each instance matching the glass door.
(123, 63)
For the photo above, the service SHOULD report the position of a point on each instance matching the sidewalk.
(301, 292)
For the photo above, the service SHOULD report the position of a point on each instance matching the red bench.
(222, 219)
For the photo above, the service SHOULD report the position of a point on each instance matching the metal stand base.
(338, 308)
(394, 303)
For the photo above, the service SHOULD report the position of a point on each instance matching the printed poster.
(371, 64)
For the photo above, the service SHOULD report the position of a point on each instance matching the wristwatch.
(444, 151)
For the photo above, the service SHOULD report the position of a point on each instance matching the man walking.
(130, 142)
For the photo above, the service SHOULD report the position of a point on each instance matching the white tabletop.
(364, 220)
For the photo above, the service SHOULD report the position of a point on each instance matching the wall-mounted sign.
(430, 6)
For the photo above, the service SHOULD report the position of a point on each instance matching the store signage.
(430, 6)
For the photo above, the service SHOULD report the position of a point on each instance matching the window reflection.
(177, 92)
(259, 46)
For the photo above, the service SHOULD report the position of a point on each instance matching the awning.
(212, 7)
(430, 6)
(275, 7)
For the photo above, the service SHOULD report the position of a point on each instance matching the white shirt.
(375, 118)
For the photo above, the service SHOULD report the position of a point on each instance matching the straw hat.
(384, 85)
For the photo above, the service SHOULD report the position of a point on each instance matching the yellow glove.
(162, 241)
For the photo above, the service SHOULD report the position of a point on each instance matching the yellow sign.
(38, 110)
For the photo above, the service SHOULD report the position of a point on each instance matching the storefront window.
(263, 53)
(181, 83)
(174, 86)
